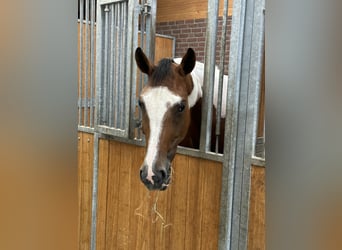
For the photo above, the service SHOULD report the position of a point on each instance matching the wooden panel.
(85, 177)
(164, 47)
(211, 208)
(183, 217)
(184, 10)
(256, 229)
(194, 206)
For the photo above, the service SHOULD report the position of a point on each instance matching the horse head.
(164, 104)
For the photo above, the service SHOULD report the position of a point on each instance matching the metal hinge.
(145, 8)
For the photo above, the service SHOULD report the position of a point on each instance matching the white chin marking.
(157, 101)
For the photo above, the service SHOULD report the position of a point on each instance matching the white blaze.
(157, 101)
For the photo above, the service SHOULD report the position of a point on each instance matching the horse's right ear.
(143, 63)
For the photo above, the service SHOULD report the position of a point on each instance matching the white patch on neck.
(157, 101)
(197, 75)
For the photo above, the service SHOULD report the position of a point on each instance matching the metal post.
(209, 75)
(94, 192)
(240, 123)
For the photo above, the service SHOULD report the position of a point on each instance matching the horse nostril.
(163, 174)
(142, 175)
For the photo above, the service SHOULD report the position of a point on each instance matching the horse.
(171, 107)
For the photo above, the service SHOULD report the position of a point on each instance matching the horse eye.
(141, 104)
(181, 107)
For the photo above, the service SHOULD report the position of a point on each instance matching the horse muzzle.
(157, 179)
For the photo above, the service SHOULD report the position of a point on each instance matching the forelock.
(162, 71)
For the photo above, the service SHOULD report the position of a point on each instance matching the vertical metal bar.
(80, 73)
(209, 75)
(121, 66)
(228, 171)
(86, 63)
(99, 64)
(221, 67)
(124, 124)
(151, 29)
(257, 55)
(104, 115)
(240, 123)
(116, 66)
(92, 56)
(94, 192)
(120, 97)
(141, 76)
(111, 64)
(132, 44)
(251, 74)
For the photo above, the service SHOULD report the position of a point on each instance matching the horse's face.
(165, 114)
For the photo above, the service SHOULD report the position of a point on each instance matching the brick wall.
(191, 33)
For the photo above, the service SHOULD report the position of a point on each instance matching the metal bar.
(257, 55)
(103, 129)
(258, 161)
(239, 126)
(111, 68)
(124, 121)
(86, 61)
(120, 84)
(141, 76)
(80, 75)
(251, 74)
(227, 191)
(99, 64)
(94, 192)
(92, 54)
(85, 129)
(221, 67)
(116, 64)
(209, 75)
(132, 44)
(104, 115)
(151, 29)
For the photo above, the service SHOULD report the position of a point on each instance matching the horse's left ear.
(188, 62)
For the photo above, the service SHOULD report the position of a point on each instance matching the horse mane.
(162, 71)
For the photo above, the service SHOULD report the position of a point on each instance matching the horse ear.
(188, 62)
(143, 63)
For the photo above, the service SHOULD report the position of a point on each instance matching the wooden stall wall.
(85, 185)
(186, 216)
(181, 10)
